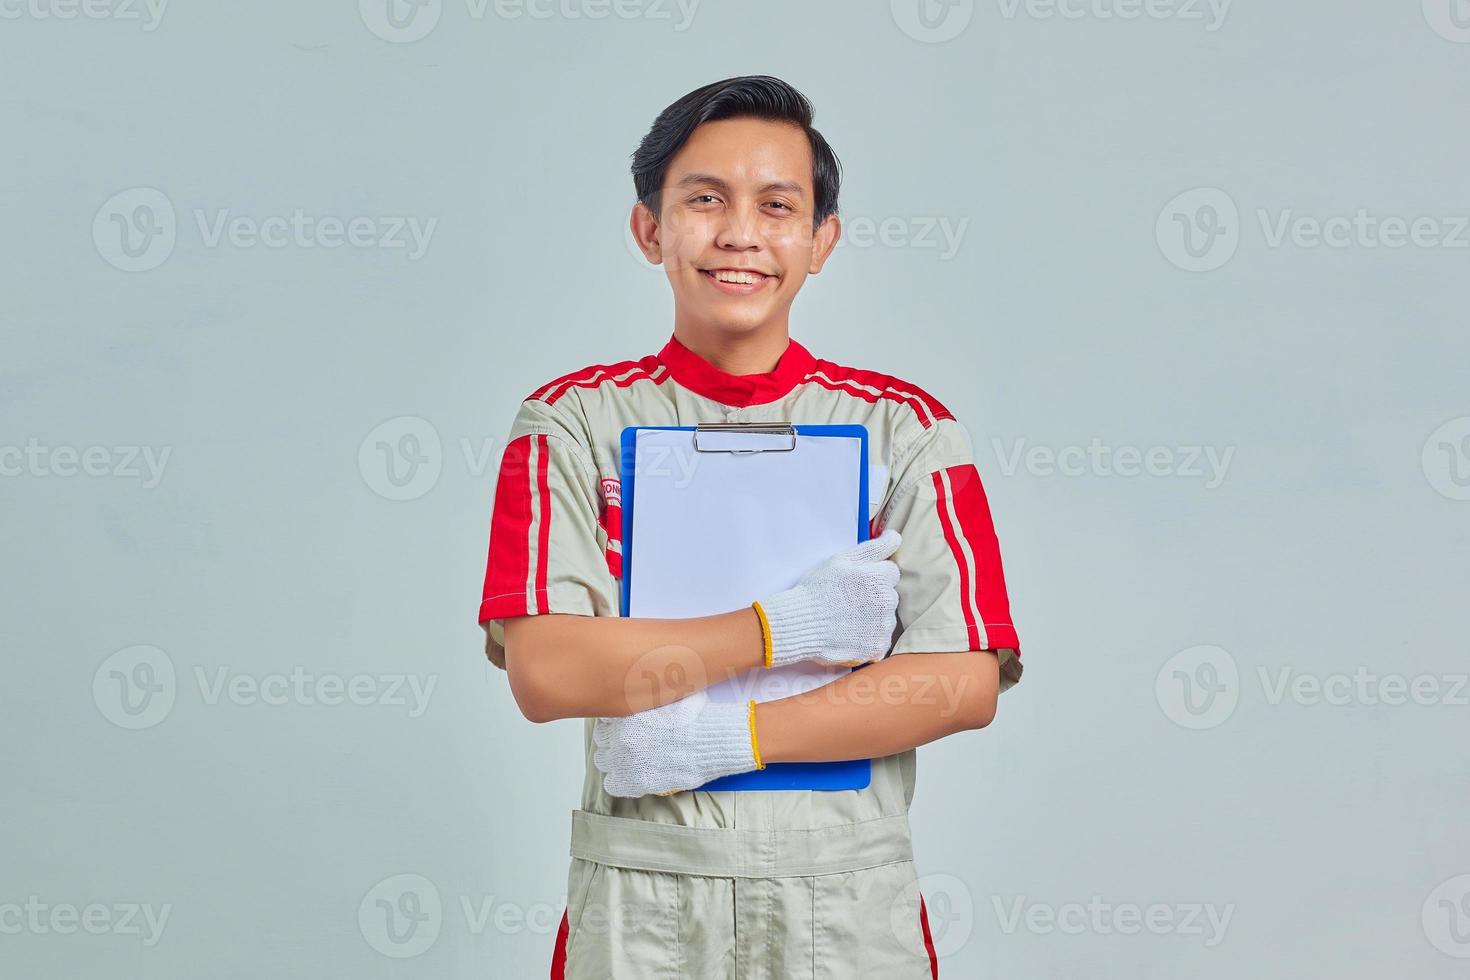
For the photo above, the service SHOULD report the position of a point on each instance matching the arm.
(639, 663)
(890, 706)
(841, 612)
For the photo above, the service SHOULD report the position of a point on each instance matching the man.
(737, 198)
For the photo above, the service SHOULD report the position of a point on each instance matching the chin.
(740, 321)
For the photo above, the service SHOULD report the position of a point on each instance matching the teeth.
(741, 277)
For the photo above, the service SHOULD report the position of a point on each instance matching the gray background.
(277, 539)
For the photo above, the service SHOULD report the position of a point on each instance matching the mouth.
(737, 282)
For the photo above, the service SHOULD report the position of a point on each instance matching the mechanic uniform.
(758, 885)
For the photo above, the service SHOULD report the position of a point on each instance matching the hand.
(842, 612)
(676, 746)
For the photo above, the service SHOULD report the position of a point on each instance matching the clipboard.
(755, 546)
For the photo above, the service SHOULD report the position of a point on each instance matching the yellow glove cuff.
(765, 631)
(754, 745)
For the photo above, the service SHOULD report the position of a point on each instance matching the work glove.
(843, 612)
(676, 746)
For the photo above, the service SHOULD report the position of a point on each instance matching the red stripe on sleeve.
(976, 525)
(509, 560)
(544, 538)
(967, 605)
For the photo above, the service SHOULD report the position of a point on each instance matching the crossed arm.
(881, 708)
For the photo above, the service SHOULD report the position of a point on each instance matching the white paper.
(714, 531)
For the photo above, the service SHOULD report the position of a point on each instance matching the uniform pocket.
(626, 925)
(580, 878)
(865, 925)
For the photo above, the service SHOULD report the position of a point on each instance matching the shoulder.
(911, 408)
(618, 374)
(558, 406)
(923, 435)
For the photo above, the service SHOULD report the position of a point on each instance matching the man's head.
(733, 177)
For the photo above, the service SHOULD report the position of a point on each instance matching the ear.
(644, 224)
(824, 240)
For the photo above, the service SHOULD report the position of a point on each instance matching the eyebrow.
(689, 180)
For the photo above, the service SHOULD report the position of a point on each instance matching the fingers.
(619, 784)
(888, 573)
(875, 549)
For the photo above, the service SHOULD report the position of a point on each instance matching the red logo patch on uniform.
(612, 524)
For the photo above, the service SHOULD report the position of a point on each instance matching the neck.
(736, 352)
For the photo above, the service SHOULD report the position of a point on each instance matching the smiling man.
(737, 199)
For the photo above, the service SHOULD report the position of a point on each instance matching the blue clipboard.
(847, 774)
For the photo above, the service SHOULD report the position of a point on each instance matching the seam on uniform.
(812, 884)
(561, 597)
(682, 830)
(903, 490)
(945, 639)
(578, 451)
(591, 449)
(900, 458)
(673, 913)
(549, 420)
(502, 595)
(769, 889)
(678, 927)
(914, 482)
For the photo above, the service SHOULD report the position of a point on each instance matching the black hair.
(758, 96)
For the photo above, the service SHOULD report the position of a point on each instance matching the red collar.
(739, 390)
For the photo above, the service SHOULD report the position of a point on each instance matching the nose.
(739, 230)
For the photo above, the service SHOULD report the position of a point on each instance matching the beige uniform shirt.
(556, 527)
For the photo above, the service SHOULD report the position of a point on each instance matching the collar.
(740, 390)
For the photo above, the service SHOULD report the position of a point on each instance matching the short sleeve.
(545, 555)
(951, 588)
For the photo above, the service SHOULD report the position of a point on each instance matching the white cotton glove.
(677, 746)
(842, 612)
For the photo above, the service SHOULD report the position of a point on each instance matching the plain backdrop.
(244, 692)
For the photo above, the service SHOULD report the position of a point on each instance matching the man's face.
(737, 203)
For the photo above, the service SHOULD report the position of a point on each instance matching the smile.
(738, 282)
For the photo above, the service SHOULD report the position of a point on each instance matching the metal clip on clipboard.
(746, 428)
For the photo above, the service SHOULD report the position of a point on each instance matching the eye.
(783, 204)
(700, 197)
